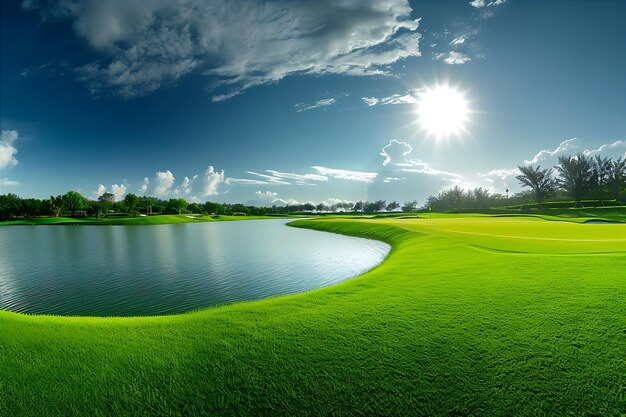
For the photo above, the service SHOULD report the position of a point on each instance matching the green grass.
(158, 219)
(495, 316)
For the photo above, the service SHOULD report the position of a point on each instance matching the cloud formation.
(211, 181)
(453, 58)
(395, 152)
(410, 97)
(6, 182)
(479, 4)
(7, 149)
(164, 181)
(146, 45)
(568, 145)
(319, 103)
(344, 174)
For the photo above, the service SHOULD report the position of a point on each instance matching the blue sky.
(234, 101)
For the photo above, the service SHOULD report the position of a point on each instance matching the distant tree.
(131, 201)
(409, 206)
(393, 206)
(479, 197)
(321, 207)
(601, 170)
(56, 206)
(575, 176)
(540, 181)
(106, 201)
(616, 180)
(308, 207)
(374, 206)
(178, 205)
(195, 208)
(97, 209)
(73, 201)
(9, 206)
(358, 206)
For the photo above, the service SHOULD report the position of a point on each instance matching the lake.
(164, 269)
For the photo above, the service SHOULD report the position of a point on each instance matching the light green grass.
(140, 220)
(467, 316)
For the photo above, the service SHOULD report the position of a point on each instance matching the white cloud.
(410, 97)
(425, 168)
(7, 150)
(319, 103)
(270, 198)
(144, 186)
(299, 178)
(269, 179)
(329, 202)
(238, 43)
(392, 179)
(101, 190)
(118, 191)
(453, 58)
(344, 174)
(245, 181)
(186, 186)
(211, 181)
(164, 181)
(568, 145)
(5, 182)
(479, 4)
(614, 149)
(395, 152)
(458, 41)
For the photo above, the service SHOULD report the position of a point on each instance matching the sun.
(442, 111)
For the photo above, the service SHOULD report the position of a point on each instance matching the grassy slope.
(452, 323)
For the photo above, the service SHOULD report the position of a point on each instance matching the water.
(148, 270)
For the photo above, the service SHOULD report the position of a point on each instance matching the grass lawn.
(468, 315)
(140, 220)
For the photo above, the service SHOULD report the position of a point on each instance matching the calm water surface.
(141, 270)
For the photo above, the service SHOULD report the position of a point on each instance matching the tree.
(9, 206)
(393, 206)
(372, 207)
(56, 206)
(539, 180)
(479, 197)
(73, 201)
(132, 203)
(105, 201)
(409, 206)
(616, 181)
(575, 176)
(321, 207)
(358, 206)
(179, 205)
(601, 169)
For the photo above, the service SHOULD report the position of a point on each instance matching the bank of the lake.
(135, 220)
(466, 316)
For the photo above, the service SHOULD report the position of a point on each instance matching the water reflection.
(139, 270)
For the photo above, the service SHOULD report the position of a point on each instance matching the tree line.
(73, 204)
(580, 177)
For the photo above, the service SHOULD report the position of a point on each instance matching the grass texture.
(468, 316)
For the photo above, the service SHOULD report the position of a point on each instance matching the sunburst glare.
(442, 111)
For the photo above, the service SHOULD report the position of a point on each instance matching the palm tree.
(601, 170)
(576, 176)
(616, 181)
(539, 180)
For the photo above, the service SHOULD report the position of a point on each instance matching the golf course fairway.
(477, 315)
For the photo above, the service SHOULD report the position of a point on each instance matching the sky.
(303, 101)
